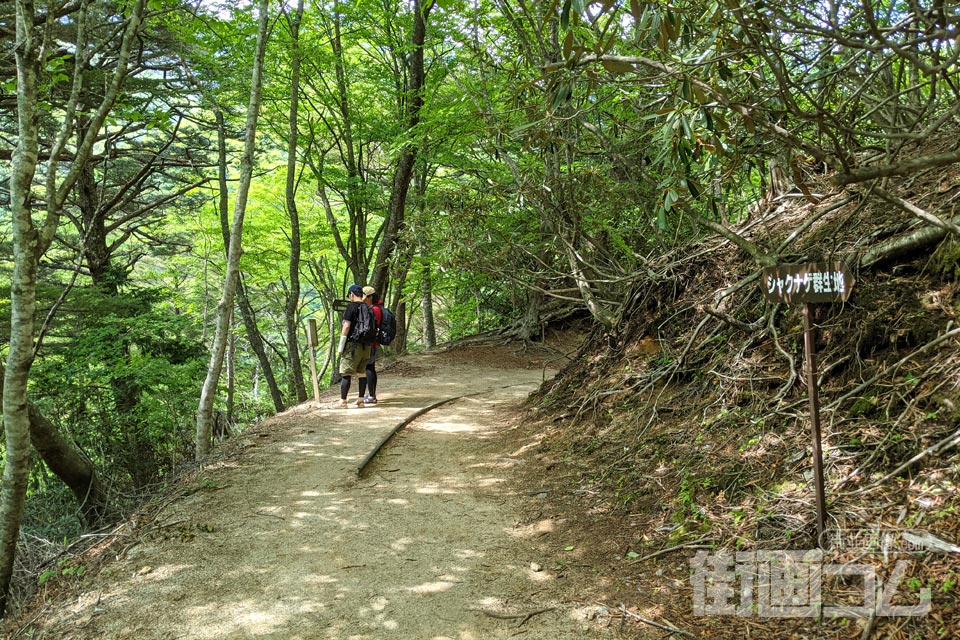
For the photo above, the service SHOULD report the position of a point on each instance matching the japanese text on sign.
(816, 282)
(807, 283)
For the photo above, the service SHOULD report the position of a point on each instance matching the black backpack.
(364, 328)
(388, 327)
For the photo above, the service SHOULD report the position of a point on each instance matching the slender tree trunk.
(208, 394)
(404, 171)
(231, 372)
(16, 417)
(293, 298)
(401, 340)
(429, 327)
(246, 309)
(16, 470)
(257, 344)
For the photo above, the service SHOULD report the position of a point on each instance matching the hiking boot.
(360, 403)
(370, 400)
(341, 404)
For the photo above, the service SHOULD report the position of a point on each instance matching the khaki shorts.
(354, 360)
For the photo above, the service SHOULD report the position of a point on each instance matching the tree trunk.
(16, 418)
(530, 326)
(429, 328)
(231, 372)
(903, 244)
(401, 340)
(257, 344)
(72, 467)
(293, 297)
(208, 394)
(69, 464)
(408, 155)
(30, 242)
(246, 309)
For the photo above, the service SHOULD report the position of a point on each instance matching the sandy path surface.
(282, 539)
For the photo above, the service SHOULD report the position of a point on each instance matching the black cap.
(356, 290)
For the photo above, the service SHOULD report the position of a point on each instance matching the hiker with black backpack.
(357, 334)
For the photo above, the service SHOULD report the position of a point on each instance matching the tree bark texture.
(247, 313)
(205, 417)
(904, 244)
(408, 155)
(231, 373)
(292, 307)
(429, 327)
(30, 242)
(74, 468)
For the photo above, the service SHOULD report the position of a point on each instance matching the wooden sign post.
(312, 343)
(806, 284)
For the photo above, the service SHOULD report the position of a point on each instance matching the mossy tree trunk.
(31, 240)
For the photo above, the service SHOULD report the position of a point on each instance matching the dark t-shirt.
(352, 313)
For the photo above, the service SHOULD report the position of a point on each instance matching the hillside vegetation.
(689, 426)
(186, 186)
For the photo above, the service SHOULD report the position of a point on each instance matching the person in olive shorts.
(353, 356)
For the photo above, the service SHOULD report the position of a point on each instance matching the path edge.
(416, 414)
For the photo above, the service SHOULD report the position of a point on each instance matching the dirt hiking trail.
(280, 537)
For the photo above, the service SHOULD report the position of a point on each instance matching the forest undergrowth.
(689, 431)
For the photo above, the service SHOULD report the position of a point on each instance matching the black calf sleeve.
(344, 387)
(363, 386)
(372, 380)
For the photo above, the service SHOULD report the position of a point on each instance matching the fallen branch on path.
(522, 617)
(654, 623)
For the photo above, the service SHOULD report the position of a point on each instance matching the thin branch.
(653, 623)
(906, 167)
(894, 367)
(924, 215)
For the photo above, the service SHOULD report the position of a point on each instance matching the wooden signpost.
(312, 343)
(807, 284)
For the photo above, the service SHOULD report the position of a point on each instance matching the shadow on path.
(284, 541)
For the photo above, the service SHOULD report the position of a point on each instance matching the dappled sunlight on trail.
(287, 542)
